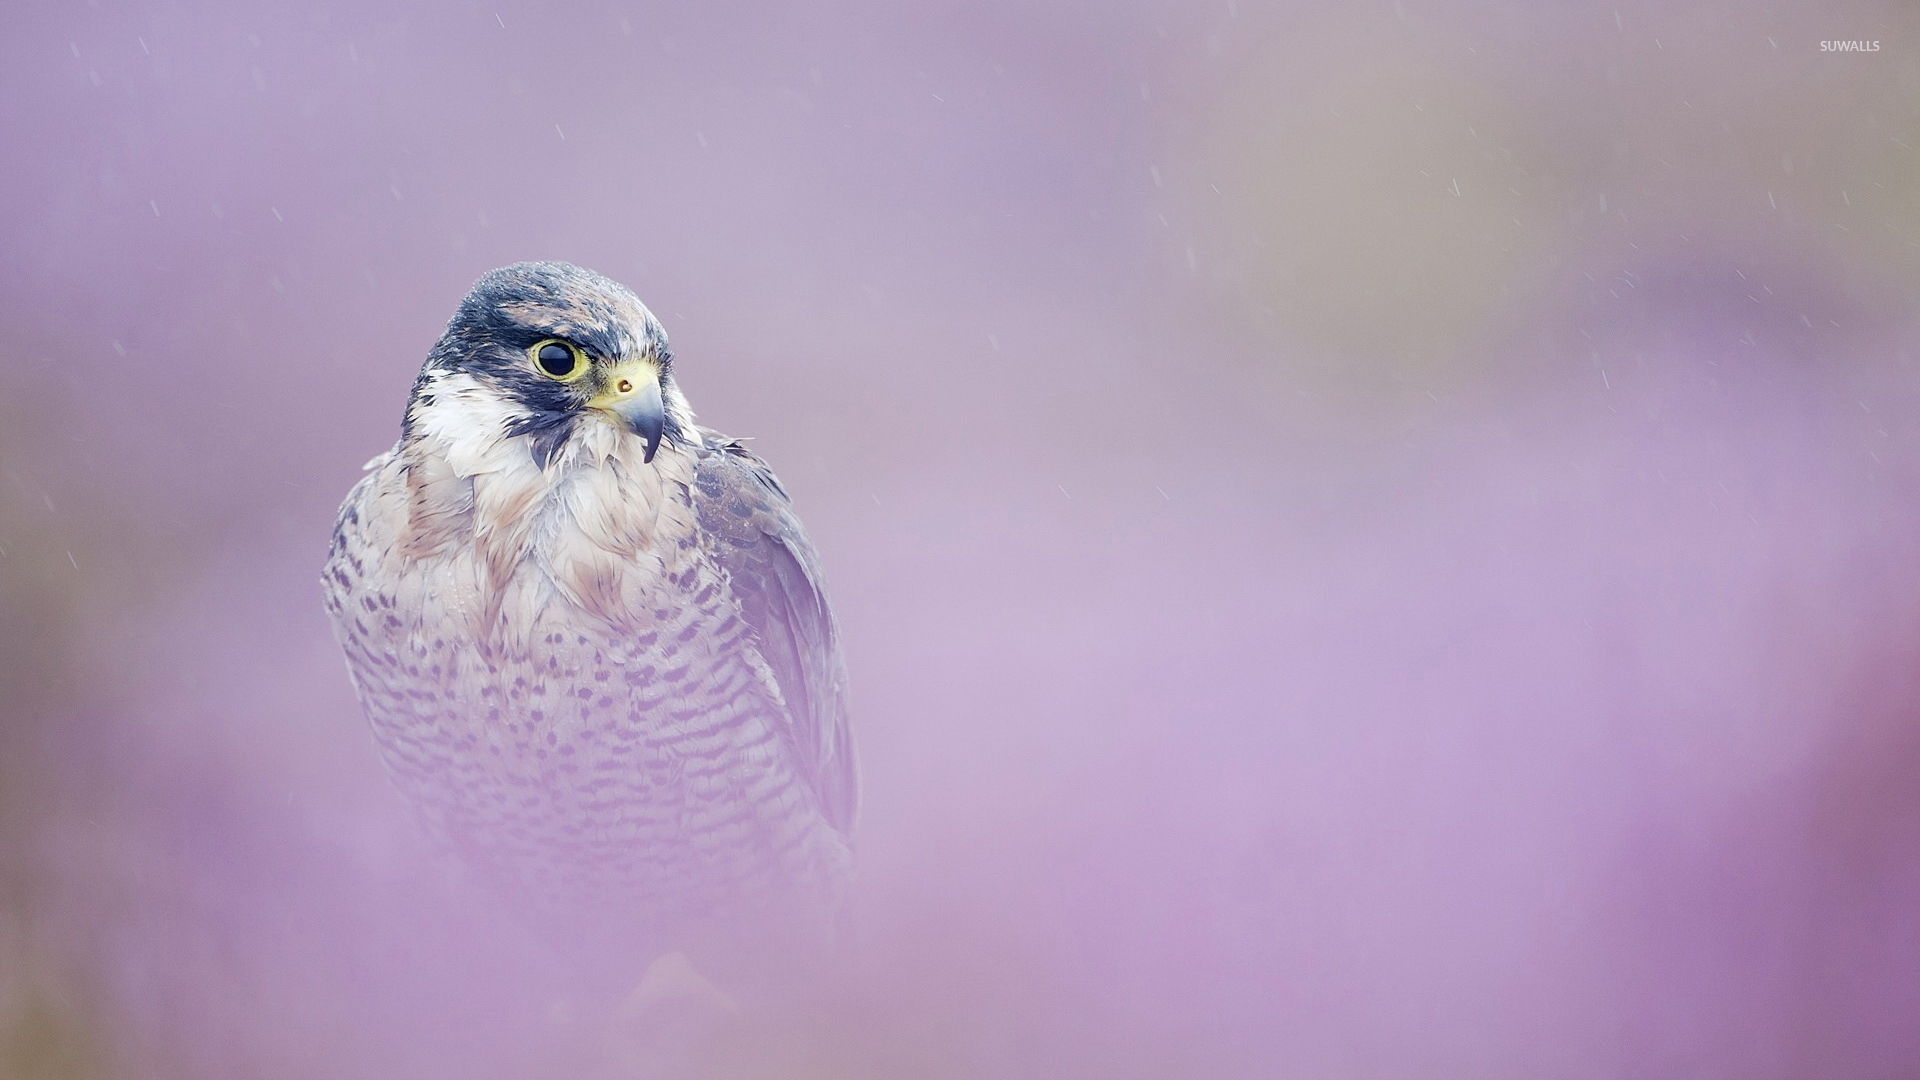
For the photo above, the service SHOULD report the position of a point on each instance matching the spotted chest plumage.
(605, 674)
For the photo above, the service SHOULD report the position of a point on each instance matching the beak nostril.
(626, 386)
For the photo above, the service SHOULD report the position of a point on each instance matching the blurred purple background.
(1373, 542)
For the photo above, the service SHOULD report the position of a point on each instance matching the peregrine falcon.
(590, 635)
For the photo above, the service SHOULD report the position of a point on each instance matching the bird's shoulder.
(727, 472)
(358, 518)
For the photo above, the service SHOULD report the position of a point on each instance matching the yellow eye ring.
(557, 359)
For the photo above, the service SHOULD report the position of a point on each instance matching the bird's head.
(538, 349)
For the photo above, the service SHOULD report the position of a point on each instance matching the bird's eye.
(558, 359)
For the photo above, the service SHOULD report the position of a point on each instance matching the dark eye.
(558, 359)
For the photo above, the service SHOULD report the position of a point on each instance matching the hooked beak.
(630, 393)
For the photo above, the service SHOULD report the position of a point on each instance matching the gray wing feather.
(776, 578)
